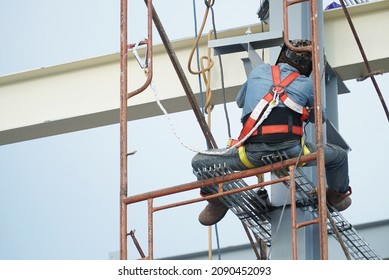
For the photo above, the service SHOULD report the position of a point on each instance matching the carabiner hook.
(142, 63)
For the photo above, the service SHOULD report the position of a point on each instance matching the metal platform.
(248, 206)
(252, 208)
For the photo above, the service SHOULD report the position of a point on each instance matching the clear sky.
(59, 196)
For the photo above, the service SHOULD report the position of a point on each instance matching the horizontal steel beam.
(85, 94)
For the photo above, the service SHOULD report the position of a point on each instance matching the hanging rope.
(205, 70)
(206, 62)
(198, 57)
(205, 107)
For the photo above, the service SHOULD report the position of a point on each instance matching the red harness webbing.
(278, 86)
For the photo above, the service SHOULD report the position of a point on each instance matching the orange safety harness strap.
(278, 88)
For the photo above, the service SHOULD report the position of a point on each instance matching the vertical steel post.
(151, 228)
(123, 128)
(292, 191)
(314, 49)
(321, 187)
(124, 96)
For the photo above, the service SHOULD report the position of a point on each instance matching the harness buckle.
(278, 88)
(276, 94)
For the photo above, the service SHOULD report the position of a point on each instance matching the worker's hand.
(309, 108)
(312, 114)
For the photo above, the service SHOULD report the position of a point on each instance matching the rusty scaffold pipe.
(366, 61)
(314, 49)
(124, 96)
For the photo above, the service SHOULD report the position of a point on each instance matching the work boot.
(340, 201)
(213, 212)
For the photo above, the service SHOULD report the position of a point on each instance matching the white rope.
(272, 104)
(152, 86)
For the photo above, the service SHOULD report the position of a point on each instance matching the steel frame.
(124, 96)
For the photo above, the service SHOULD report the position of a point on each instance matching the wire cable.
(221, 77)
(205, 107)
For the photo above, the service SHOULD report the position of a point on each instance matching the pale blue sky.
(59, 196)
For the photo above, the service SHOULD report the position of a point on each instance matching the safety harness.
(277, 126)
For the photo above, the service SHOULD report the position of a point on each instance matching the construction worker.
(282, 129)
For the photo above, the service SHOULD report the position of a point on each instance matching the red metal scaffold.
(318, 156)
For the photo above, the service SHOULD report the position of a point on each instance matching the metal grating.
(248, 206)
(252, 209)
(306, 200)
